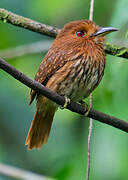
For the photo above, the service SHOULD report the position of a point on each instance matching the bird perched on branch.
(73, 67)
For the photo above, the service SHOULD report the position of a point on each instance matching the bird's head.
(82, 33)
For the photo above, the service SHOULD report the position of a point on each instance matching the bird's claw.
(86, 107)
(87, 111)
(67, 101)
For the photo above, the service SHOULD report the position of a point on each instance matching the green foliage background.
(65, 155)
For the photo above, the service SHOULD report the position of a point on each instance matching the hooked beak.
(104, 30)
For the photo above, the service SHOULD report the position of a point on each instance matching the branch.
(38, 27)
(60, 100)
(23, 50)
(20, 174)
(26, 23)
(115, 50)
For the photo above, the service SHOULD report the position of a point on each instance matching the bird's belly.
(79, 93)
(80, 87)
(77, 81)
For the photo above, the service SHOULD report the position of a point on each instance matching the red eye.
(80, 33)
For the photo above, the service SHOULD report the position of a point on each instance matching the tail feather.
(40, 128)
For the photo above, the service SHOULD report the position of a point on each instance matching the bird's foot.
(86, 107)
(67, 101)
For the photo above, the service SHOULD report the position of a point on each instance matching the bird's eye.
(80, 33)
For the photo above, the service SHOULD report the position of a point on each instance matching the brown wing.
(50, 64)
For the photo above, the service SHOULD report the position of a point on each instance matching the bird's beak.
(104, 30)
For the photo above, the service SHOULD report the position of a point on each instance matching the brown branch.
(16, 173)
(115, 50)
(38, 27)
(26, 23)
(73, 106)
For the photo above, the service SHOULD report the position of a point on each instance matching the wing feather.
(51, 63)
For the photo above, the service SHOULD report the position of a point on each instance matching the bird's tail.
(41, 124)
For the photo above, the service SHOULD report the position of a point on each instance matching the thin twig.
(16, 173)
(91, 10)
(90, 103)
(60, 100)
(38, 27)
(89, 141)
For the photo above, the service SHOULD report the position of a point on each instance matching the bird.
(73, 68)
